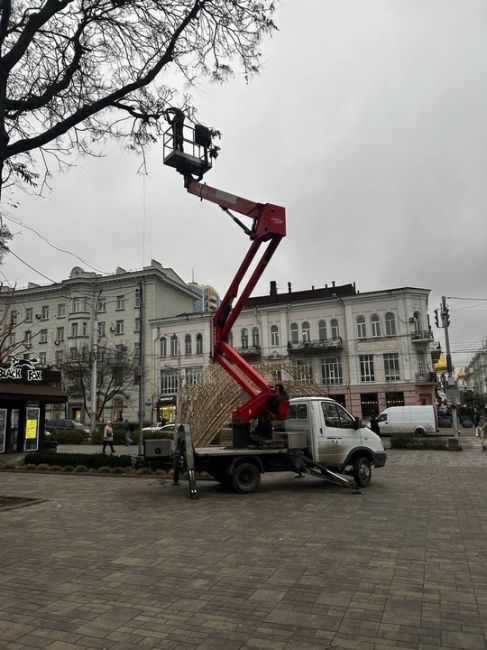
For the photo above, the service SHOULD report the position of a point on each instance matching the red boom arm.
(269, 227)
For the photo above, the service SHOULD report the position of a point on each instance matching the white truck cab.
(335, 438)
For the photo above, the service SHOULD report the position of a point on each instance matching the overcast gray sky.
(367, 122)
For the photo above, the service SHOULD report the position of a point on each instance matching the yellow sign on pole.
(31, 430)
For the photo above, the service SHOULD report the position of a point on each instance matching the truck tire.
(419, 432)
(362, 471)
(246, 478)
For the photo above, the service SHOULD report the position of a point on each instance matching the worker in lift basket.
(177, 123)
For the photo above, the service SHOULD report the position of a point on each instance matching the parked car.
(56, 425)
(418, 420)
(159, 426)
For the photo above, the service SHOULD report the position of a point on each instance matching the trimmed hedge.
(68, 437)
(92, 461)
(407, 441)
(119, 436)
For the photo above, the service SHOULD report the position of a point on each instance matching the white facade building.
(88, 311)
(370, 350)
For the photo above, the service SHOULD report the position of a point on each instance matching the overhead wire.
(18, 222)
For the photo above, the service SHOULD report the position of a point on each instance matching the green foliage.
(92, 461)
(80, 468)
(407, 441)
(142, 471)
(68, 468)
(43, 467)
(30, 467)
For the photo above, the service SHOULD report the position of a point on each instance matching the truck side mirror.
(358, 424)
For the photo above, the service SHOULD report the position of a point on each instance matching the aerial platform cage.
(188, 153)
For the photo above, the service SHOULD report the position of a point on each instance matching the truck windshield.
(336, 416)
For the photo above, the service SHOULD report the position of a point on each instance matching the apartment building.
(89, 312)
(369, 350)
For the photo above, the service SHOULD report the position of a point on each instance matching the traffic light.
(445, 316)
(437, 320)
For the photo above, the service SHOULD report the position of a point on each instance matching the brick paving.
(128, 563)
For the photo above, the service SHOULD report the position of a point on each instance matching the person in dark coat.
(374, 425)
(177, 123)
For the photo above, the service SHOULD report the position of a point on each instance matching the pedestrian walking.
(128, 430)
(108, 437)
(483, 434)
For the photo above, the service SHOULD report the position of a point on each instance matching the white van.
(418, 420)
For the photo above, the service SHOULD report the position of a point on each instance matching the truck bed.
(233, 451)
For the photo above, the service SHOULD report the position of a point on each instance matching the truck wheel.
(419, 432)
(246, 478)
(362, 471)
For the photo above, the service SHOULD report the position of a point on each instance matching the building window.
(390, 324)
(61, 310)
(169, 382)
(294, 329)
(370, 404)
(43, 358)
(79, 304)
(244, 338)
(193, 375)
(84, 328)
(188, 348)
(163, 347)
(230, 338)
(74, 329)
(335, 331)
(255, 337)
(375, 324)
(417, 321)
(305, 331)
(137, 298)
(102, 306)
(366, 367)
(120, 304)
(322, 330)
(11, 340)
(199, 343)
(361, 327)
(28, 337)
(305, 370)
(331, 371)
(101, 328)
(395, 399)
(137, 325)
(174, 346)
(13, 316)
(28, 315)
(45, 312)
(274, 335)
(60, 334)
(119, 327)
(43, 336)
(73, 353)
(58, 357)
(391, 367)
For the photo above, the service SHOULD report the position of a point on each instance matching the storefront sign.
(21, 370)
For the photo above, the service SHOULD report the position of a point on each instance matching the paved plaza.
(128, 563)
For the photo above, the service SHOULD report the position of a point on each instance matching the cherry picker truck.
(240, 466)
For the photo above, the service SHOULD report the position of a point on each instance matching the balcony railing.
(251, 353)
(313, 347)
(422, 337)
(427, 377)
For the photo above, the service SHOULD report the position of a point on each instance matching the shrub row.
(93, 461)
(407, 441)
(68, 437)
(119, 437)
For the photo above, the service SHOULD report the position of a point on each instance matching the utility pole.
(140, 369)
(94, 366)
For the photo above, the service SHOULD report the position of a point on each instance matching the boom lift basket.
(194, 159)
